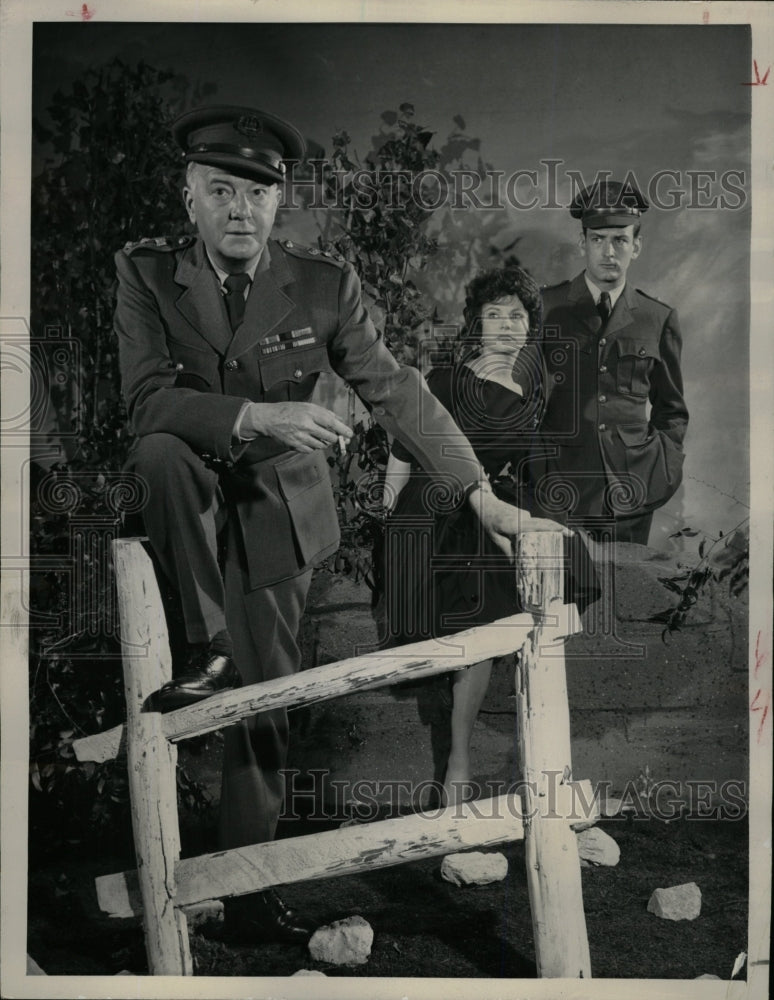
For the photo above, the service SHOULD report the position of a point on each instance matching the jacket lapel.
(621, 316)
(583, 306)
(202, 302)
(267, 304)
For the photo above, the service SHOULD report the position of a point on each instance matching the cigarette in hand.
(342, 444)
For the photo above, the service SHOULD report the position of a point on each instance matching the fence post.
(151, 758)
(553, 866)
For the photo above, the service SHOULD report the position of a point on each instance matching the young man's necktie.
(604, 307)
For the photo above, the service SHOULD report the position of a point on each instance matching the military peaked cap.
(244, 141)
(608, 203)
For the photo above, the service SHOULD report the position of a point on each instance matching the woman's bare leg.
(468, 690)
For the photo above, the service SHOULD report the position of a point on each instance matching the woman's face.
(504, 326)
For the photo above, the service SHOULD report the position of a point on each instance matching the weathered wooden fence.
(163, 883)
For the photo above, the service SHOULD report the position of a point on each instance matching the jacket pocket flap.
(556, 439)
(633, 434)
(636, 346)
(294, 365)
(298, 474)
(192, 380)
(192, 365)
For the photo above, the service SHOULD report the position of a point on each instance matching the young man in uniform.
(615, 417)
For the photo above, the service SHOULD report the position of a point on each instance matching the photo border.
(16, 20)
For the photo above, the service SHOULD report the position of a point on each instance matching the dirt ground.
(426, 927)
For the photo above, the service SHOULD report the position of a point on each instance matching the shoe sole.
(157, 702)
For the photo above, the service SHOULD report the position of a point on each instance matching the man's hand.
(502, 521)
(302, 426)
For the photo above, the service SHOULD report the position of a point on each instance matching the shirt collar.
(222, 275)
(615, 293)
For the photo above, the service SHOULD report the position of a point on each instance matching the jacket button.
(603, 399)
(602, 427)
(297, 373)
(602, 341)
(603, 368)
(642, 352)
(232, 365)
(179, 366)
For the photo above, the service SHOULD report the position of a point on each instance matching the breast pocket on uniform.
(636, 360)
(291, 374)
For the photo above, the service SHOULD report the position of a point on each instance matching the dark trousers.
(619, 529)
(573, 484)
(187, 519)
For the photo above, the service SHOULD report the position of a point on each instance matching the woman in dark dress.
(444, 573)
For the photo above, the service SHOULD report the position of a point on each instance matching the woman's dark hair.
(489, 286)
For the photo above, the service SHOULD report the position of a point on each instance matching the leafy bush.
(382, 225)
(111, 177)
(385, 209)
(722, 559)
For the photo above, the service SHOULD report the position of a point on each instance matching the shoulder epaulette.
(159, 243)
(315, 253)
(652, 298)
(550, 288)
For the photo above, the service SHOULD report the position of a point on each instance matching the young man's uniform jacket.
(186, 377)
(597, 432)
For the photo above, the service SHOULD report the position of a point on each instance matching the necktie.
(603, 307)
(235, 285)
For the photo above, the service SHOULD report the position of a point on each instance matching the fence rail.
(162, 884)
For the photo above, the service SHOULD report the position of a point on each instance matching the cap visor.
(239, 167)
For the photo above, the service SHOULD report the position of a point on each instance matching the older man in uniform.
(615, 417)
(222, 338)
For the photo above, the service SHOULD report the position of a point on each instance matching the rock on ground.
(678, 902)
(474, 868)
(345, 942)
(598, 848)
(309, 972)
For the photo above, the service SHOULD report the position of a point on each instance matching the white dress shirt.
(614, 293)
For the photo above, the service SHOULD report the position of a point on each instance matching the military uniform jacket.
(185, 373)
(615, 415)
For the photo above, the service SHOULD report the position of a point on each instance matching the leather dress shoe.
(207, 673)
(263, 916)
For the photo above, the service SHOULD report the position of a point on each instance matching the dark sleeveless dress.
(443, 572)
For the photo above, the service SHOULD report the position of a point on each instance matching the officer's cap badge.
(249, 125)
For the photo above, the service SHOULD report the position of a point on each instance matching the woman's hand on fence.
(502, 521)
(544, 524)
